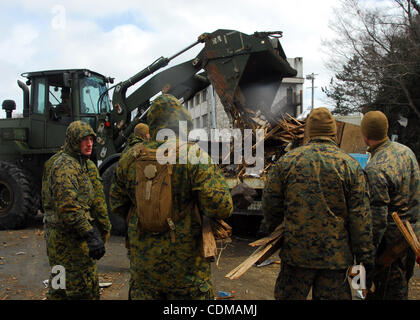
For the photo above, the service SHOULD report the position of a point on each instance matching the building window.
(205, 121)
(197, 99)
(204, 95)
(289, 96)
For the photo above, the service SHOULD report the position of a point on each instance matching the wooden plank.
(276, 245)
(266, 247)
(263, 251)
(413, 235)
(209, 243)
(352, 139)
(405, 233)
(275, 234)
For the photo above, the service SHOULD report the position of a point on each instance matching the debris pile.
(278, 137)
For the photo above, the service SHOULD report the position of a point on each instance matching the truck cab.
(56, 98)
(59, 97)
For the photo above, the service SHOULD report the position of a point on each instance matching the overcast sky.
(119, 38)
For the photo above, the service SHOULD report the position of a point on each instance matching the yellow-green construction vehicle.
(233, 62)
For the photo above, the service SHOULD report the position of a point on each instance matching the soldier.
(74, 202)
(141, 130)
(140, 134)
(394, 180)
(168, 264)
(321, 195)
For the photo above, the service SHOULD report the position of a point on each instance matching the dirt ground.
(24, 267)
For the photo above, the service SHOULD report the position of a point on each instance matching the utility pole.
(312, 77)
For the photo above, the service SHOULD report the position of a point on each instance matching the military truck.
(233, 62)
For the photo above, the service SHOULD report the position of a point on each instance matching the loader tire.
(16, 201)
(119, 226)
(35, 194)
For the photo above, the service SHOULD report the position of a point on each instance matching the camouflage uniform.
(131, 142)
(394, 180)
(73, 201)
(321, 195)
(159, 268)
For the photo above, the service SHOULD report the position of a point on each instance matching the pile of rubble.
(279, 136)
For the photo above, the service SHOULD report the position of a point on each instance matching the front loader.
(245, 71)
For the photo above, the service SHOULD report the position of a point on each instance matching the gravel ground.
(24, 267)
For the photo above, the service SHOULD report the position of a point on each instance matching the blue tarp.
(362, 158)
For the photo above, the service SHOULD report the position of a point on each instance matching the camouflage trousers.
(143, 285)
(137, 292)
(151, 276)
(81, 272)
(391, 283)
(294, 283)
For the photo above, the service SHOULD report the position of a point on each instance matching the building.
(207, 111)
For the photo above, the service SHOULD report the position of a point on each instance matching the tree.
(376, 61)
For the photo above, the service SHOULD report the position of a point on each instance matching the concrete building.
(208, 113)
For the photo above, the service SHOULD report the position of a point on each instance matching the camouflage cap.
(374, 126)
(76, 131)
(321, 122)
(165, 113)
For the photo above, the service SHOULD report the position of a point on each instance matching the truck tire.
(119, 226)
(15, 196)
(35, 194)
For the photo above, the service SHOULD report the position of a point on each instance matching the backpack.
(154, 192)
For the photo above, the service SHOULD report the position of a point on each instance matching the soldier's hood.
(133, 139)
(76, 131)
(166, 112)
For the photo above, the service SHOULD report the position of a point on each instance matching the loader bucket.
(246, 72)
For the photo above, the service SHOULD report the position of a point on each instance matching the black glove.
(370, 270)
(95, 244)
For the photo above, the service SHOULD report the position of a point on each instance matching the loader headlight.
(103, 152)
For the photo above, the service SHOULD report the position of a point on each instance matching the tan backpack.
(154, 192)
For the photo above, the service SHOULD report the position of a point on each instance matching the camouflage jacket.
(394, 181)
(131, 141)
(322, 196)
(156, 261)
(165, 263)
(72, 191)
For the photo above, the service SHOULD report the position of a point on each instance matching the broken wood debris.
(267, 246)
(220, 229)
(276, 138)
(408, 233)
(209, 242)
(212, 230)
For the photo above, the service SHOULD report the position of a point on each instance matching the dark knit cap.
(320, 122)
(374, 126)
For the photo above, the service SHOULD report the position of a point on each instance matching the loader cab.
(91, 87)
(59, 97)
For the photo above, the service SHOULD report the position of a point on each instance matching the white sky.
(119, 38)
